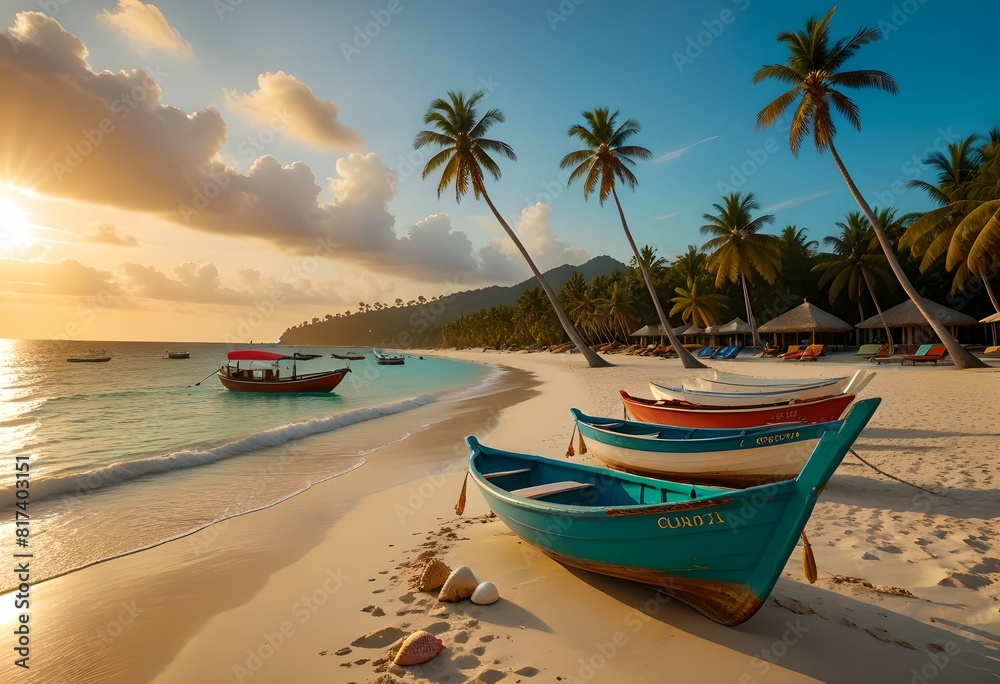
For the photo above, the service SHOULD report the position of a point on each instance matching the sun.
(15, 228)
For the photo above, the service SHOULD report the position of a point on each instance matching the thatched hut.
(806, 318)
(913, 327)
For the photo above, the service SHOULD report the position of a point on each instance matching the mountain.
(419, 324)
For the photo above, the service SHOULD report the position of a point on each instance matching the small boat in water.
(684, 414)
(388, 359)
(768, 396)
(92, 356)
(727, 457)
(349, 356)
(718, 550)
(299, 356)
(271, 377)
(178, 355)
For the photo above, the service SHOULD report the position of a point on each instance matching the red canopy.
(255, 355)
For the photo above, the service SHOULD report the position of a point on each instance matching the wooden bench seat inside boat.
(539, 491)
(501, 473)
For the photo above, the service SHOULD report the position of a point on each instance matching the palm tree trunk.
(593, 358)
(960, 356)
(750, 317)
(871, 291)
(686, 357)
(861, 313)
(989, 290)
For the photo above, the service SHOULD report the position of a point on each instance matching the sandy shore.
(315, 588)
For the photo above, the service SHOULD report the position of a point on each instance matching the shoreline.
(200, 616)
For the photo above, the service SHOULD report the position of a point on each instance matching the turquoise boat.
(718, 550)
(727, 457)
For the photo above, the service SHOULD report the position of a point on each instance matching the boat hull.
(673, 413)
(717, 550)
(766, 395)
(178, 355)
(730, 458)
(313, 382)
(747, 384)
(82, 359)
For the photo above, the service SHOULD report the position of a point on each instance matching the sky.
(220, 171)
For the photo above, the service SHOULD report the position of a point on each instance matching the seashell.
(459, 585)
(434, 575)
(485, 594)
(418, 648)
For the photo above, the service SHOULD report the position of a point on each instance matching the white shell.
(459, 585)
(485, 594)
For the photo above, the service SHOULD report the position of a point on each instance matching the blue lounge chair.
(727, 353)
(707, 352)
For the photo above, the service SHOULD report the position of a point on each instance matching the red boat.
(679, 413)
(251, 378)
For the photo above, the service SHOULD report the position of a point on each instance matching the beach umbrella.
(808, 318)
(906, 315)
(993, 318)
(648, 331)
(690, 330)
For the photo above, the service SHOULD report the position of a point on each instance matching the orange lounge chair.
(811, 352)
(992, 351)
(933, 353)
(792, 354)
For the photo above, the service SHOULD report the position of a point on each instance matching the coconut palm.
(602, 163)
(697, 303)
(857, 261)
(620, 310)
(738, 249)
(465, 155)
(813, 70)
(936, 232)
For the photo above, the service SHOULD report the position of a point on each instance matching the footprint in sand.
(466, 662)
(380, 638)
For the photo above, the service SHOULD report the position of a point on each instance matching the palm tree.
(813, 69)
(858, 260)
(620, 310)
(697, 304)
(465, 154)
(738, 248)
(602, 163)
(936, 232)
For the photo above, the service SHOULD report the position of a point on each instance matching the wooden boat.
(728, 457)
(178, 355)
(388, 359)
(748, 384)
(299, 356)
(349, 356)
(251, 378)
(683, 414)
(718, 550)
(92, 356)
(852, 385)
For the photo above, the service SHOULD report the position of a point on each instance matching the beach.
(316, 587)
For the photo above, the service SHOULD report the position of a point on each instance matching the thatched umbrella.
(907, 316)
(992, 321)
(808, 318)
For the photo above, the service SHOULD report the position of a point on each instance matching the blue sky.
(682, 69)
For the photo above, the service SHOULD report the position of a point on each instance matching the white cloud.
(282, 102)
(795, 201)
(677, 153)
(145, 27)
(671, 215)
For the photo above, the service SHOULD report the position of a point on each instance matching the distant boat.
(92, 356)
(349, 356)
(257, 378)
(718, 550)
(388, 359)
(178, 355)
(305, 357)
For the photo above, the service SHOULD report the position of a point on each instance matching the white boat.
(728, 457)
(748, 384)
(767, 395)
(388, 359)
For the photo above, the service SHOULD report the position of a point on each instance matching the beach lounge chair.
(884, 353)
(727, 353)
(991, 351)
(793, 353)
(933, 354)
(811, 352)
(706, 352)
(868, 350)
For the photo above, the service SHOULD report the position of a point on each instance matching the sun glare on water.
(15, 228)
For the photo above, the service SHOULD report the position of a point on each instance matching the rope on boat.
(583, 445)
(204, 379)
(891, 477)
(460, 506)
(808, 560)
(569, 449)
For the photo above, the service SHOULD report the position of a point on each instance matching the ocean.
(129, 454)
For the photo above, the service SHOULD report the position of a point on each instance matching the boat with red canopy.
(256, 376)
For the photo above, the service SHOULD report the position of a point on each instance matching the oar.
(204, 379)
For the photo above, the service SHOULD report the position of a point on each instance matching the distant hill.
(419, 325)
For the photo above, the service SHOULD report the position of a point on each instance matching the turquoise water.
(129, 453)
